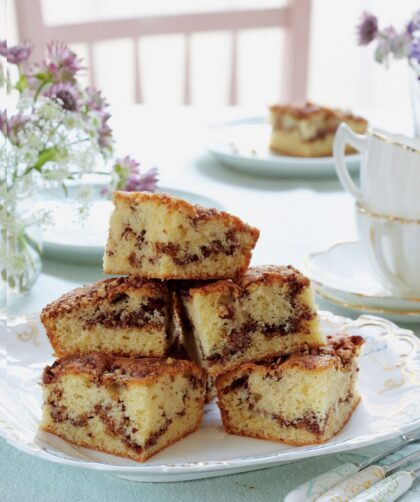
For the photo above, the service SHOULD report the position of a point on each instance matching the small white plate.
(70, 238)
(342, 275)
(390, 406)
(244, 146)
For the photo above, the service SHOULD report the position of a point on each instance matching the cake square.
(128, 407)
(267, 312)
(304, 398)
(309, 130)
(164, 237)
(126, 316)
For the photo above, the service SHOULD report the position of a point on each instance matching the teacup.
(389, 171)
(392, 246)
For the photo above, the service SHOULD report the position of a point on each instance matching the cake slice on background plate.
(309, 130)
(267, 312)
(128, 407)
(302, 399)
(127, 316)
(164, 237)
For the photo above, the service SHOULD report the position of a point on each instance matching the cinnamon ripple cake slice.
(126, 316)
(301, 399)
(267, 312)
(164, 237)
(309, 130)
(128, 407)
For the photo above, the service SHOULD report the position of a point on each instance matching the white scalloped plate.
(389, 385)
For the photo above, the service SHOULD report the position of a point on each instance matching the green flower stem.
(31, 242)
(51, 134)
(47, 155)
(78, 141)
(43, 84)
(22, 83)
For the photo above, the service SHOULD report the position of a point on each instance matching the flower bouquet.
(404, 44)
(53, 131)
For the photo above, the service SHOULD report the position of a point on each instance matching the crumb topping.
(295, 281)
(340, 351)
(111, 290)
(105, 368)
(197, 214)
(310, 110)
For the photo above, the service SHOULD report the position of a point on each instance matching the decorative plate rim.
(325, 293)
(6, 430)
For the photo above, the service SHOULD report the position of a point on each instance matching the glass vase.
(20, 261)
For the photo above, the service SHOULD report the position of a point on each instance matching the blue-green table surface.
(24, 478)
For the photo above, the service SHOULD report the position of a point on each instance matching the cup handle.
(344, 136)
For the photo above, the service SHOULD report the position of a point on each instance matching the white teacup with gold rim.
(392, 246)
(389, 171)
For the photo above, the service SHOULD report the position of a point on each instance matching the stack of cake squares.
(139, 353)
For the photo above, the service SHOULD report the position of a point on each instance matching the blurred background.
(227, 61)
(218, 52)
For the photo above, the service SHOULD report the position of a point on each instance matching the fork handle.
(350, 487)
(311, 490)
(387, 490)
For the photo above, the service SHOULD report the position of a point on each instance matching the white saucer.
(341, 275)
(243, 146)
(69, 238)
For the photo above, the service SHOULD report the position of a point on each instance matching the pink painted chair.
(294, 18)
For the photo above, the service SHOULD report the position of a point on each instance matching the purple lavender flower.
(126, 169)
(62, 63)
(367, 29)
(137, 182)
(144, 183)
(128, 177)
(3, 48)
(14, 126)
(17, 54)
(105, 133)
(400, 45)
(415, 50)
(30, 70)
(414, 24)
(3, 122)
(65, 94)
(94, 100)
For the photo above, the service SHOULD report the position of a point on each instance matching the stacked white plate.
(341, 275)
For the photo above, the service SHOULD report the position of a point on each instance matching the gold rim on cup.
(390, 141)
(386, 217)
